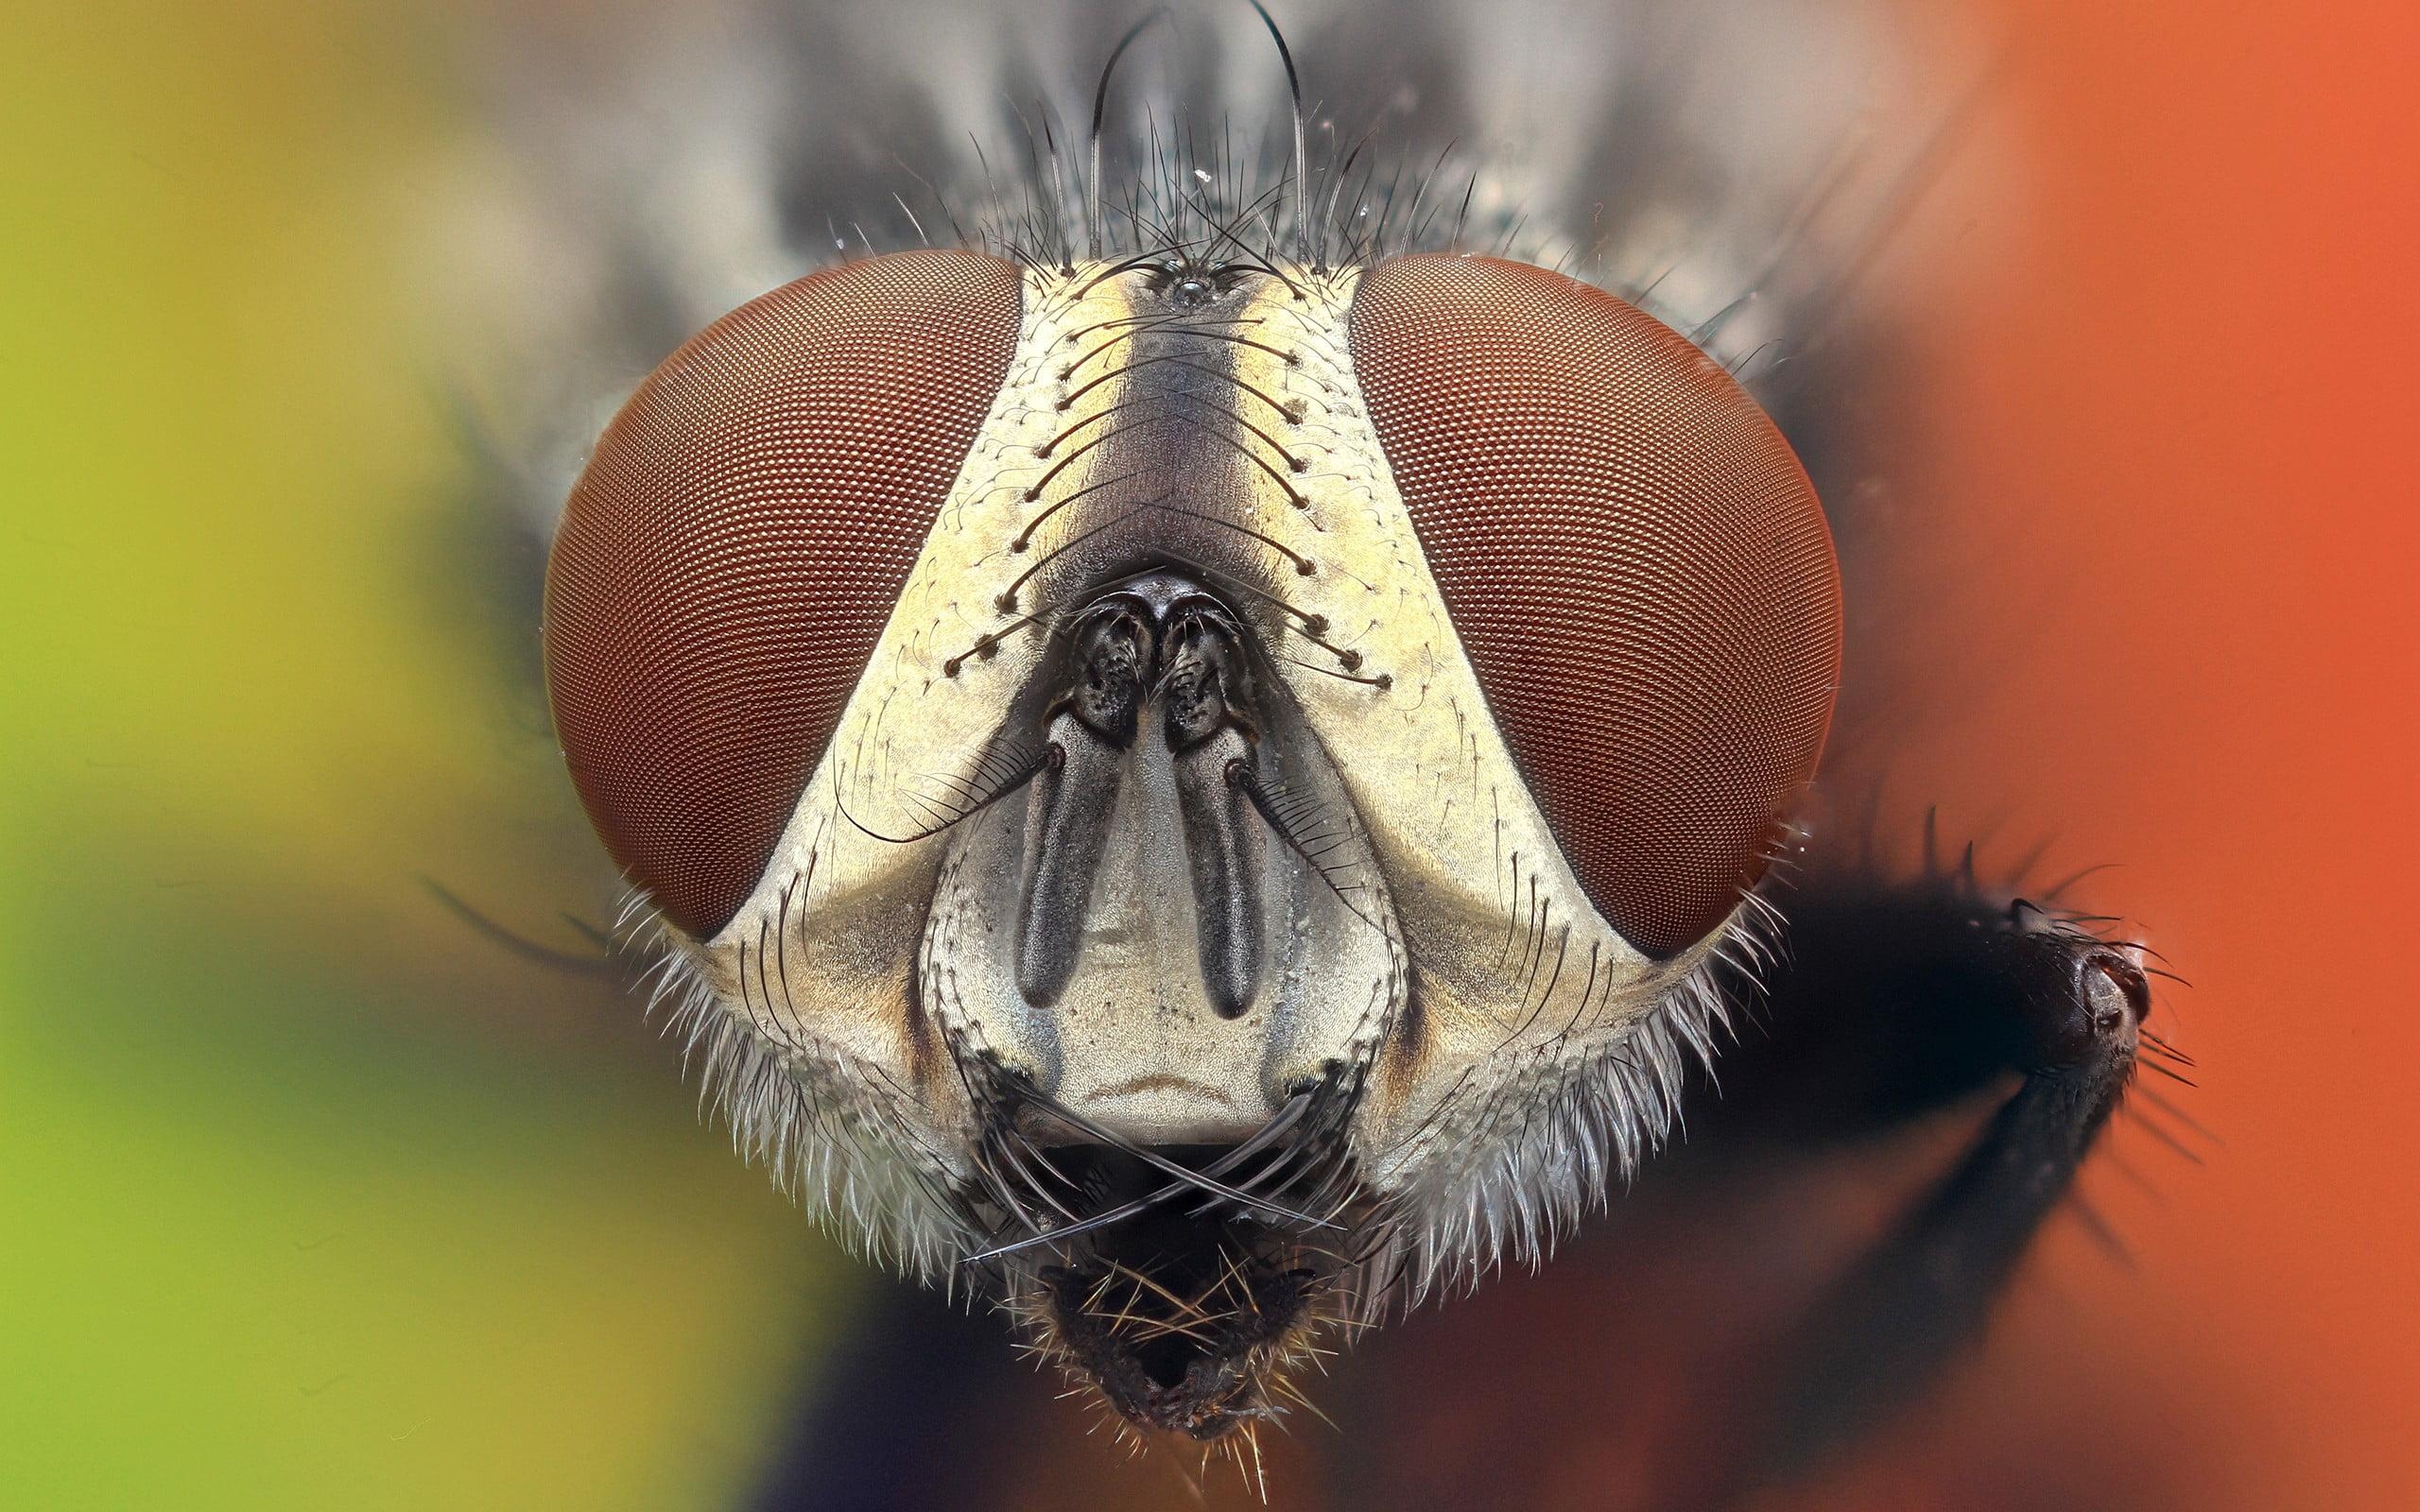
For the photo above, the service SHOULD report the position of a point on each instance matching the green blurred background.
(309, 1197)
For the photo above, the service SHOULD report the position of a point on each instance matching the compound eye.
(736, 546)
(1634, 560)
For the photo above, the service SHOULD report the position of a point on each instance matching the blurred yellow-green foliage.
(308, 1196)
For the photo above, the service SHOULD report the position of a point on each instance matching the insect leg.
(2016, 986)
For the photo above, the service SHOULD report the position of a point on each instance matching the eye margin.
(1615, 436)
(716, 585)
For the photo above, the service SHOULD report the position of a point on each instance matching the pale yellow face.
(1433, 806)
(1238, 727)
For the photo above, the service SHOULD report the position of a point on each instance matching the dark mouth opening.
(1177, 1281)
(1182, 1281)
(1182, 1313)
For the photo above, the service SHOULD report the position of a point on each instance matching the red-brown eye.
(1634, 560)
(734, 548)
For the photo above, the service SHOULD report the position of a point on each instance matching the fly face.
(1199, 792)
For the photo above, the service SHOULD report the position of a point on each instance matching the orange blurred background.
(2189, 411)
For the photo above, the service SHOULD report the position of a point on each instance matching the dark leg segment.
(2031, 993)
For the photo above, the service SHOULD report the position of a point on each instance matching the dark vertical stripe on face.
(1177, 468)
